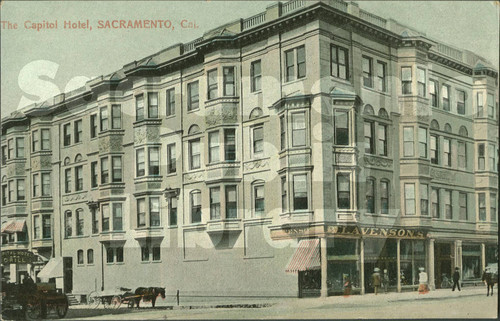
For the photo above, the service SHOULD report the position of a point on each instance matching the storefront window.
(491, 254)
(471, 262)
(412, 258)
(343, 264)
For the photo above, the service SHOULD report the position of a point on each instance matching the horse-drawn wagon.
(122, 295)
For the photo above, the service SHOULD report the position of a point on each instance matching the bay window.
(229, 81)
(230, 144)
(298, 129)
(153, 105)
(341, 123)
(212, 84)
(408, 141)
(409, 199)
(139, 107)
(231, 199)
(343, 191)
(140, 165)
(213, 147)
(300, 198)
(406, 80)
(215, 203)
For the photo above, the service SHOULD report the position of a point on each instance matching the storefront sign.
(377, 231)
(18, 256)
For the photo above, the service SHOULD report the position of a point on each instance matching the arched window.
(195, 202)
(368, 110)
(67, 161)
(370, 195)
(78, 158)
(90, 256)
(256, 113)
(447, 128)
(79, 256)
(434, 125)
(194, 129)
(383, 113)
(463, 131)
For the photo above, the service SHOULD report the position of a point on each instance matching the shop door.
(68, 274)
(309, 283)
(442, 266)
(369, 267)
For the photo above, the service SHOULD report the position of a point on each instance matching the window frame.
(153, 107)
(367, 74)
(381, 78)
(461, 100)
(230, 152)
(300, 130)
(171, 159)
(406, 83)
(193, 91)
(67, 134)
(346, 200)
(170, 102)
(299, 204)
(335, 64)
(116, 116)
(445, 90)
(226, 81)
(421, 82)
(193, 156)
(195, 208)
(103, 119)
(424, 199)
(410, 203)
(370, 195)
(139, 107)
(78, 131)
(341, 130)
(212, 84)
(481, 200)
(256, 78)
(408, 151)
(434, 92)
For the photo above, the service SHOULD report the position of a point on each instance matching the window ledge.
(147, 121)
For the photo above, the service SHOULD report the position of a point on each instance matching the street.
(470, 303)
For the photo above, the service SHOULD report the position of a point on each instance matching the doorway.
(68, 274)
(309, 283)
(443, 267)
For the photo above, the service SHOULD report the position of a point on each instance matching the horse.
(148, 294)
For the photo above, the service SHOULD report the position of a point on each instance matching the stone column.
(324, 267)
(430, 265)
(362, 263)
(483, 257)
(399, 263)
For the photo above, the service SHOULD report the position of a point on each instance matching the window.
(341, 127)
(433, 92)
(482, 207)
(300, 199)
(446, 97)
(196, 207)
(156, 253)
(4, 195)
(170, 102)
(144, 253)
(19, 147)
(171, 159)
(141, 212)
(46, 229)
(230, 144)
(422, 142)
(479, 104)
(447, 152)
(258, 195)
(481, 158)
(343, 191)
(381, 76)
(256, 75)
(154, 211)
(229, 81)
(104, 170)
(117, 217)
(424, 199)
(408, 141)
(152, 105)
(4, 155)
(10, 144)
(410, 199)
(116, 116)
(140, 162)
(110, 254)
(382, 140)
(461, 102)
(67, 135)
(67, 180)
(79, 221)
(231, 205)
(340, 65)
(282, 132)
(139, 107)
(435, 203)
(370, 195)
(213, 147)
(291, 67)
(491, 157)
(194, 154)
(193, 96)
(298, 129)
(421, 82)
(104, 118)
(448, 211)
(45, 139)
(93, 126)
(68, 224)
(93, 174)
(154, 161)
(491, 106)
(119, 254)
(35, 140)
(36, 227)
(79, 255)
(369, 139)
(493, 207)
(384, 197)
(215, 203)
(36, 185)
(258, 140)
(105, 218)
(212, 84)
(434, 150)
(95, 221)
(116, 168)
(406, 80)
(78, 131)
(462, 199)
(90, 256)
(172, 211)
(78, 178)
(20, 190)
(462, 155)
(284, 199)
(11, 191)
(367, 72)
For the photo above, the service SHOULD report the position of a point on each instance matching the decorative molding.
(75, 198)
(378, 161)
(257, 164)
(193, 177)
(444, 175)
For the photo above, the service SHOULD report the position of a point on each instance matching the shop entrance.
(382, 254)
(68, 274)
(443, 267)
(309, 283)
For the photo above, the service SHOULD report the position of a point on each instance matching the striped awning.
(306, 257)
(13, 226)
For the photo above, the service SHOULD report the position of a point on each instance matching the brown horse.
(148, 294)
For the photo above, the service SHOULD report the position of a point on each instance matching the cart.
(112, 300)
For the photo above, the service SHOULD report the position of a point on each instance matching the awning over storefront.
(53, 269)
(306, 257)
(13, 226)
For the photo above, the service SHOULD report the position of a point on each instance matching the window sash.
(36, 185)
(172, 209)
(46, 184)
(93, 125)
(343, 191)
(229, 81)
(298, 129)
(409, 199)
(212, 84)
(78, 131)
(46, 227)
(45, 133)
(408, 141)
(171, 159)
(462, 155)
(79, 222)
(35, 140)
(284, 198)
(339, 62)
(193, 95)
(117, 217)
(370, 196)
(153, 105)
(230, 144)
(67, 180)
(300, 194)
(196, 207)
(213, 147)
(434, 150)
(93, 174)
(381, 76)
(68, 226)
(406, 80)
(104, 170)
(460, 102)
(20, 147)
(140, 162)
(256, 75)
(282, 132)
(384, 197)
(141, 212)
(424, 199)
(104, 118)
(367, 72)
(139, 107)
(491, 106)
(116, 117)
(492, 156)
(78, 178)
(341, 127)
(258, 192)
(154, 211)
(422, 139)
(382, 140)
(258, 140)
(67, 135)
(194, 154)
(231, 199)
(154, 161)
(493, 207)
(369, 141)
(116, 165)
(463, 215)
(215, 203)
(433, 92)
(170, 102)
(421, 82)
(435, 203)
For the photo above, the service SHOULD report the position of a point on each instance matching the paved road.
(410, 305)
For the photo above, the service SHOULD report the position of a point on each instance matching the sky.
(36, 65)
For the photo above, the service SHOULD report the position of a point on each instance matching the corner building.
(278, 155)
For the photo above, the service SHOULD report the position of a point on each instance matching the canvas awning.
(306, 257)
(13, 226)
(53, 269)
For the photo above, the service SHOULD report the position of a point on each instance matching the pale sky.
(66, 58)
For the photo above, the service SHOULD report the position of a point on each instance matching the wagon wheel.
(116, 301)
(34, 310)
(62, 309)
(93, 300)
(130, 303)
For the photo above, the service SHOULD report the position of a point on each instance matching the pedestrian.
(376, 280)
(456, 279)
(422, 280)
(386, 280)
(347, 286)
(488, 280)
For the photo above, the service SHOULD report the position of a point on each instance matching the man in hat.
(422, 280)
(456, 279)
(488, 280)
(376, 279)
